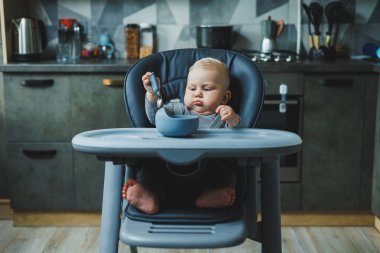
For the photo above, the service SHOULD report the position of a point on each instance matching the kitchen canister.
(132, 41)
(146, 39)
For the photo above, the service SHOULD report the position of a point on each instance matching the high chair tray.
(148, 142)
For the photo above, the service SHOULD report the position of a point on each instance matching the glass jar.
(146, 40)
(132, 39)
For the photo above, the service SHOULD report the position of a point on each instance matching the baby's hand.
(146, 82)
(151, 96)
(228, 115)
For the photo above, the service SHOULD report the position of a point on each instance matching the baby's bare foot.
(214, 198)
(141, 198)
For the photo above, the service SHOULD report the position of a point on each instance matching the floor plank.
(85, 239)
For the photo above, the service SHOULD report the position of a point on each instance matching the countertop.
(122, 66)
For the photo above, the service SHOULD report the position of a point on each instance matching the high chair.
(177, 227)
(126, 150)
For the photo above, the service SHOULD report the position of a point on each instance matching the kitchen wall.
(176, 20)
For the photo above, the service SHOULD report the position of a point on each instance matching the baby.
(207, 94)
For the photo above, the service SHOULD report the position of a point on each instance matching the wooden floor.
(85, 239)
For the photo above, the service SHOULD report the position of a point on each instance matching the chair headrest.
(172, 68)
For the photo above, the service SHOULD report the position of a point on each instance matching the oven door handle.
(277, 102)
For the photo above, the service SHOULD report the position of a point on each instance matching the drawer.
(272, 82)
(89, 180)
(96, 105)
(41, 176)
(37, 108)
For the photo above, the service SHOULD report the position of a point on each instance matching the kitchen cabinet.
(43, 113)
(376, 165)
(4, 186)
(336, 121)
(41, 177)
(337, 146)
(38, 107)
(95, 106)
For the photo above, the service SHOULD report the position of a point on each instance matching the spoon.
(156, 89)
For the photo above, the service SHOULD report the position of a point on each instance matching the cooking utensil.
(307, 10)
(156, 89)
(331, 11)
(214, 36)
(316, 12)
(338, 15)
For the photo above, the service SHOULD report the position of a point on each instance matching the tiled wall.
(176, 20)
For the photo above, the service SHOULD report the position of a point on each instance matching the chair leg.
(133, 249)
(110, 222)
(270, 205)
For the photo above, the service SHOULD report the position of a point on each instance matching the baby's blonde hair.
(212, 63)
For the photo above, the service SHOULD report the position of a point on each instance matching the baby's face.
(205, 91)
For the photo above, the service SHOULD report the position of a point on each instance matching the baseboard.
(56, 219)
(327, 219)
(6, 212)
(377, 223)
(287, 219)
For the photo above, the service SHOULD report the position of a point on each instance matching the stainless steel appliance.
(275, 56)
(283, 112)
(28, 39)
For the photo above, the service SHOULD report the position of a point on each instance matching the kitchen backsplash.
(175, 20)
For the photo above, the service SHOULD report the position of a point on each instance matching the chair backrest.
(172, 68)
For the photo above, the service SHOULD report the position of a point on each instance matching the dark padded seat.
(172, 68)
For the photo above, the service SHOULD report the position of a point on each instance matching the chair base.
(161, 235)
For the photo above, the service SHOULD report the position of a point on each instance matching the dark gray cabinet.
(41, 176)
(38, 107)
(43, 113)
(376, 164)
(333, 139)
(95, 106)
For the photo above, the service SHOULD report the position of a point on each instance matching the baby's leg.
(217, 197)
(141, 198)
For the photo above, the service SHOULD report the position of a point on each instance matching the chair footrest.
(162, 235)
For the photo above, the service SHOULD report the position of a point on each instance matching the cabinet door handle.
(37, 83)
(40, 154)
(113, 82)
(337, 83)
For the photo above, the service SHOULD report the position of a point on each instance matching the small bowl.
(176, 126)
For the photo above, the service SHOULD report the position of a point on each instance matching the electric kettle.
(28, 39)
(270, 30)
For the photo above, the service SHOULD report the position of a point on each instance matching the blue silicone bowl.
(176, 126)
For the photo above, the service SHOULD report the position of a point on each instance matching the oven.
(284, 112)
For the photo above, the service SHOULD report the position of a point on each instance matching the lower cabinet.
(376, 165)
(43, 113)
(94, 106)
(333, 172)
(37, 107)
(41, 176)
